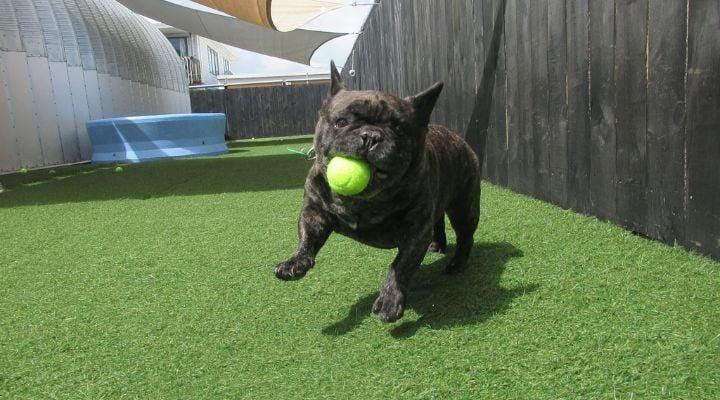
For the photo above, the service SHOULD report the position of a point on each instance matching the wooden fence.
(257, 112)
(610, 108)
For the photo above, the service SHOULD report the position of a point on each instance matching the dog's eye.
(341, 123)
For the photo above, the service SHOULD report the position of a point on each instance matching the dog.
(420, 172)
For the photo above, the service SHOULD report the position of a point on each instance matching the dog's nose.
(371, 139)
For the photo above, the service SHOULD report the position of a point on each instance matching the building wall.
(609, 108)
(200, 47)
(197, 48)
(63, 62)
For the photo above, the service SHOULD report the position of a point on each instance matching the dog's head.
(386, 131)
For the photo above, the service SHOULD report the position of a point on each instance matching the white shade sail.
(281, 15)
(297, 46)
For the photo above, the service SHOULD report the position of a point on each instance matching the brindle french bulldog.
(419, 173)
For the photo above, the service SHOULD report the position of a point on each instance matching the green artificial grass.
(156, 282)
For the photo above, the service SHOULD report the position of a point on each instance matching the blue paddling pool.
(155, 137)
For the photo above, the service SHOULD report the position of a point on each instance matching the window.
(213, 62)
(180, 45)
(226, 64)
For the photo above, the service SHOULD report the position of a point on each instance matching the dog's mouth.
(380, 174)
(377, 172)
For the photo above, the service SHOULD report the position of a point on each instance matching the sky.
(348, 19)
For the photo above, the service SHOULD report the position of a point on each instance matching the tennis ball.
(348, 176)
(23, 170)
(118, 169)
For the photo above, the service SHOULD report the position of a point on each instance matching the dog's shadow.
(443, 300)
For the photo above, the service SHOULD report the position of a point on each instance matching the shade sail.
(281, 15)
(297, 46)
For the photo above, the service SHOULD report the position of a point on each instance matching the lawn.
(156, 282)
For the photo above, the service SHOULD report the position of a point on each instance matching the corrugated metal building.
(63, 62)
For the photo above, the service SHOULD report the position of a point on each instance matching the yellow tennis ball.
(348, 176)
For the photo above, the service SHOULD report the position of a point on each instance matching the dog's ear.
(424, 102)
(336, 84)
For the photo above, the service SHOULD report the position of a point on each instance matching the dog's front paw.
(390, 305)
(294, 268)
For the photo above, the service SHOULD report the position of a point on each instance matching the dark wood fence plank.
(427, 56)
(578, 105)
(378, 36)
(481, 114)
(236, 116)
(384, 41)
(514, 127)
(631, 113)
(500, 175)
(703, 130)
(475, 134)
(525, 99)
(482, 34)
(395, 49)
(602, 113)
(464, 62)
(478, 29)
(493, 40)
(666, 119)
(539, 86)
(409, 47)
(439, 60)
(366, 61)
(558, 107)
(399, 43)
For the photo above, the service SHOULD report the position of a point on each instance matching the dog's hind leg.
(439, 243)
(464, 214)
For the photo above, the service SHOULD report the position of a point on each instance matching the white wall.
(63, 62)
(200, 48)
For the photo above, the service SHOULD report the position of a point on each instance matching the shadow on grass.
(444, 301)
(178, 177)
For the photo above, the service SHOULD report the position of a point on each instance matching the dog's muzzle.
(371, 139)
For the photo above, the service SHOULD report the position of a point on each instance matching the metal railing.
(192, 68)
